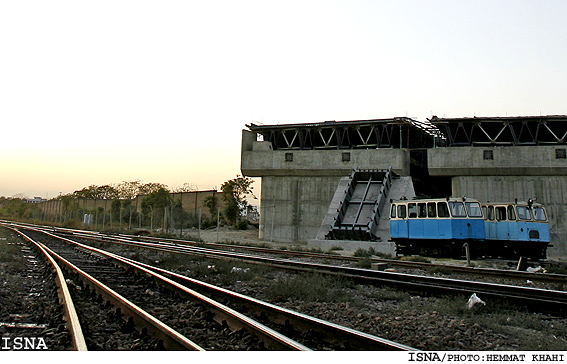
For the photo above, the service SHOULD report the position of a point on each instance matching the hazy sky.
(102, 92)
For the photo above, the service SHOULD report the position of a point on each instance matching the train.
(451, 227)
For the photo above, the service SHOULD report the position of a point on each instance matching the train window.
(421, 210)
(473, 208)
(393, 212)
(402, 211)
(523, 213)
(457, 209)
(490, 212)
(442, 209)
(431, 209)
(500, 213)
(539, 214)
(511, 213)
(412, 210)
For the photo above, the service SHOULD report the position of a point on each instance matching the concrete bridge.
(490, 159)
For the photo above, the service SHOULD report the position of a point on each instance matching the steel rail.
(543, 300)
(71, 317)
(171, 338)
(332, 333)
(356, 340)
(234, 319)
(540, 277)
(549, 301)
(499, 273)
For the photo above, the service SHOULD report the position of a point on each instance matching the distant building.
(36, 200)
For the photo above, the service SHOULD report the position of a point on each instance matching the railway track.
(539, 300)
(394, 263)
(485, 272)
(126, 280)
(55, 324)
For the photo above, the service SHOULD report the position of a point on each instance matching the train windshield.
(539, 214)
(474, 210)
(523, 213)
(457, 209)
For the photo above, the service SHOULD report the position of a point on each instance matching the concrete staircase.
(360, 208)
(358, 215)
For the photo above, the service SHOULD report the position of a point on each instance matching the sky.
(100, 92)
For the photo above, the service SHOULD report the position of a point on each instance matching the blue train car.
(435, 226)
(516, 229)
(442, 227)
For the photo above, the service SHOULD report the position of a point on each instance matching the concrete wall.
(507, 161)
(294, 206)
(191, 202)
(296, 192)
(514, 172)
(259, 160)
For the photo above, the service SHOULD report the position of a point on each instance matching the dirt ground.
(227, 235)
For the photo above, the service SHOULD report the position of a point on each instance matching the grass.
(534, 331)
(7, 251)
(367, 253)
(415, 258)
(557, 269)
(441, 270)
(309, 287)
(364, 253)
(365, 263)
(11, 258)
(388, 294)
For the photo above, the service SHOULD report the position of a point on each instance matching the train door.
(514, 231)
(459, 221)
(444, 221)
(502, 225)
(415, 222)
(399, 221)
(540, 231)
(524, 217)
(431, 223)
(475, 221)
(490, 224)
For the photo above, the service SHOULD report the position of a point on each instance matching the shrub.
(241, 225)
(364, 253)
(415, 258)
(309, 287)
(365, 263)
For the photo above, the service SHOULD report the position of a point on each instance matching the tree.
(97, 192)
(150, 187)
(235, 192)
(187, 187)
(211, 203)
(115, 209)
(180, 216)
(128, 189)
(156, 200)
(16, 208)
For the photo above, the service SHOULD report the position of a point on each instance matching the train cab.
(445, 224)
(521, 228)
